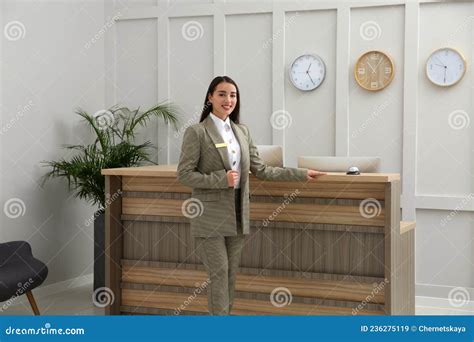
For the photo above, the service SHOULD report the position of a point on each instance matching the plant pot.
(99, 249)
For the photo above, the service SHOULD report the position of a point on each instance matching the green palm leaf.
(113, 147)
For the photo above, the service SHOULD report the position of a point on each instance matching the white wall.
(406, 124)
(45, 76)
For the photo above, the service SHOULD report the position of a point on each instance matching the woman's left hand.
(313, 174)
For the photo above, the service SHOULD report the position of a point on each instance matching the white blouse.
(233, 147)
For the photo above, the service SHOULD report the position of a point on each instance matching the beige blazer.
(203, 166)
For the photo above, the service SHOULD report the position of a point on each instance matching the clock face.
(374, 70)
(445, 67)
(307, 72)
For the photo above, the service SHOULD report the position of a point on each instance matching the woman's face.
(223, 99)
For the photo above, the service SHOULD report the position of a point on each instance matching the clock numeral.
(374, 84)
(361, 71)
(388, 70)
(374, 56)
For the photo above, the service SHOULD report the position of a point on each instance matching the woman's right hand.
(232, 178)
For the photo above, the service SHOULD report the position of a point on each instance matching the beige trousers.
(221, 257)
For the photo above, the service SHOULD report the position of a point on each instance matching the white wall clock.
(445, 67)
(307, 72)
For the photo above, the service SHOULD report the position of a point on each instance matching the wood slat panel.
(154, 184)
(282, 249)
(315, 213)
(198, 303)
(310, 213)
(151, 206)
(259, 224)
(255, 271)
(113, 241)
(314, 288)
(318, 189)
(260, 187)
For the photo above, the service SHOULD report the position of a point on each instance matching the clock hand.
(378, 63)
(445, 74)
(309, 67)
(311, 78)
(373, 70)
(439, 60)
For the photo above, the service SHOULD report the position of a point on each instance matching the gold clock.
(374, 70)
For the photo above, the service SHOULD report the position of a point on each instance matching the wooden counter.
(336, 246)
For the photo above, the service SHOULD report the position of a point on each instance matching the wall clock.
(374, 70)
(307, 72)
(446, 67)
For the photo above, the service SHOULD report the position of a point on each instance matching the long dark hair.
(207, 109)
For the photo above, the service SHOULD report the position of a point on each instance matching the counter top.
(170, 171)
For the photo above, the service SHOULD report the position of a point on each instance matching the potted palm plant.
(114, 146)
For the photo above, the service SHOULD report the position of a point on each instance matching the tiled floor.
(78, 301)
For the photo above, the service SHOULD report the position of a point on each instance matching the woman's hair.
(207, 109)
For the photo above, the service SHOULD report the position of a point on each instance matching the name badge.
(221, 145)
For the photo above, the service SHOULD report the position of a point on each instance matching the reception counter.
(331, 246)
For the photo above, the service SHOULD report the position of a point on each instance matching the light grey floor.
(78, 301)
(74, 301)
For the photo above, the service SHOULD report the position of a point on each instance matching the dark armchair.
(20, 272)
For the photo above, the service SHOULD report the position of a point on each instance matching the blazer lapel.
(244, 154)
(217, 139)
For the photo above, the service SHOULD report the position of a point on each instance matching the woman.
(216, 157)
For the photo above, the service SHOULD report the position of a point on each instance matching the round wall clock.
(307, 72)
(374, 70)
(446, 67)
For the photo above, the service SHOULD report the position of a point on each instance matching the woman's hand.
(313, 174)
(232, 178)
